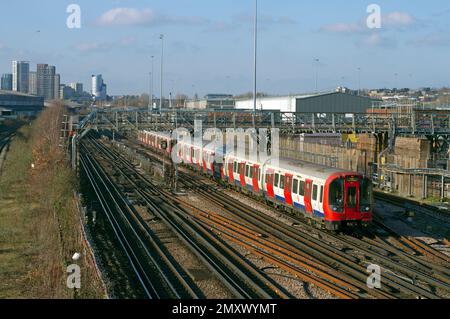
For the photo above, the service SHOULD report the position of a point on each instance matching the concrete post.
(410, 185)
(424, 187)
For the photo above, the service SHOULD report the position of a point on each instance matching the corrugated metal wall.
(334, 102)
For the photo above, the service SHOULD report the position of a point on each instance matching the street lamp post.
(359, 81)
(254, 58)
(150, 92)
(161, 84)
(317, 74)
(151, 85)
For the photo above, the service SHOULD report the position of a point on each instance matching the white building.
(21, 71)
(98, 88)
(281, 103)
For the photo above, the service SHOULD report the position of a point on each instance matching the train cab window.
(277, 178)
(301, 189)
(351, 197)
(295, 186)
(336, 195)
(314, 193)
(321, 194)
(282, 182)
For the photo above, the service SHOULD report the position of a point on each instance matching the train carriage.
(332, 196)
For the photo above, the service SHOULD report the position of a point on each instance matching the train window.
(259, 174)
(351, 197)
(277, 178)
(235, 167)
(295, 186)
(246, 170)
(321, 194)
(336, 195)
(282, 182)
(301, 190)
(314, 193)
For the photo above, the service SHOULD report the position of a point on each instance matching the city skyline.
(118, 38)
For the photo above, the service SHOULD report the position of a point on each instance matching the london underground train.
(333, 197)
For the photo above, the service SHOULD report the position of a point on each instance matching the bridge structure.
(419, 123)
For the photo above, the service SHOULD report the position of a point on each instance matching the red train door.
(255, 178)
(242, 174)
(288, 189)
(269, 185)
(230, 172)
(308, 191)
(205, 167)
(351, 199)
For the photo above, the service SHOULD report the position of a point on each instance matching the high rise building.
(98, 88)
(7, 80)
(20, 71)
(77, 87)
(32, 86)
(56, 86)
(46, 76)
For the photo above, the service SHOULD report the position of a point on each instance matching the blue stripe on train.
(316, 212)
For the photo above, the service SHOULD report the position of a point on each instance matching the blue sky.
(209, 43)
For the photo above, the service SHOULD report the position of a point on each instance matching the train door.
(351, 198)
(230, 171)
(295, 196)
(315, 198)
(269, 183)
(255, 178)
(205, 158)
(278, 186)
(308, 193)
(242, 174)
(288, 189)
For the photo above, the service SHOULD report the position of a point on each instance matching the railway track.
(243, 280)
(413, 205)
(402, 271)
(5, 138)
(158, 276)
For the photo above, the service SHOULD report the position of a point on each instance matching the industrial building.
(21, 104)
(212, 102)
(335, 102)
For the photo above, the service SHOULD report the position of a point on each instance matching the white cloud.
(143, 17)
(126, 16)
(90, 47)
(342, 28)
(376, 40)
(390, 21)
(398, 19)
